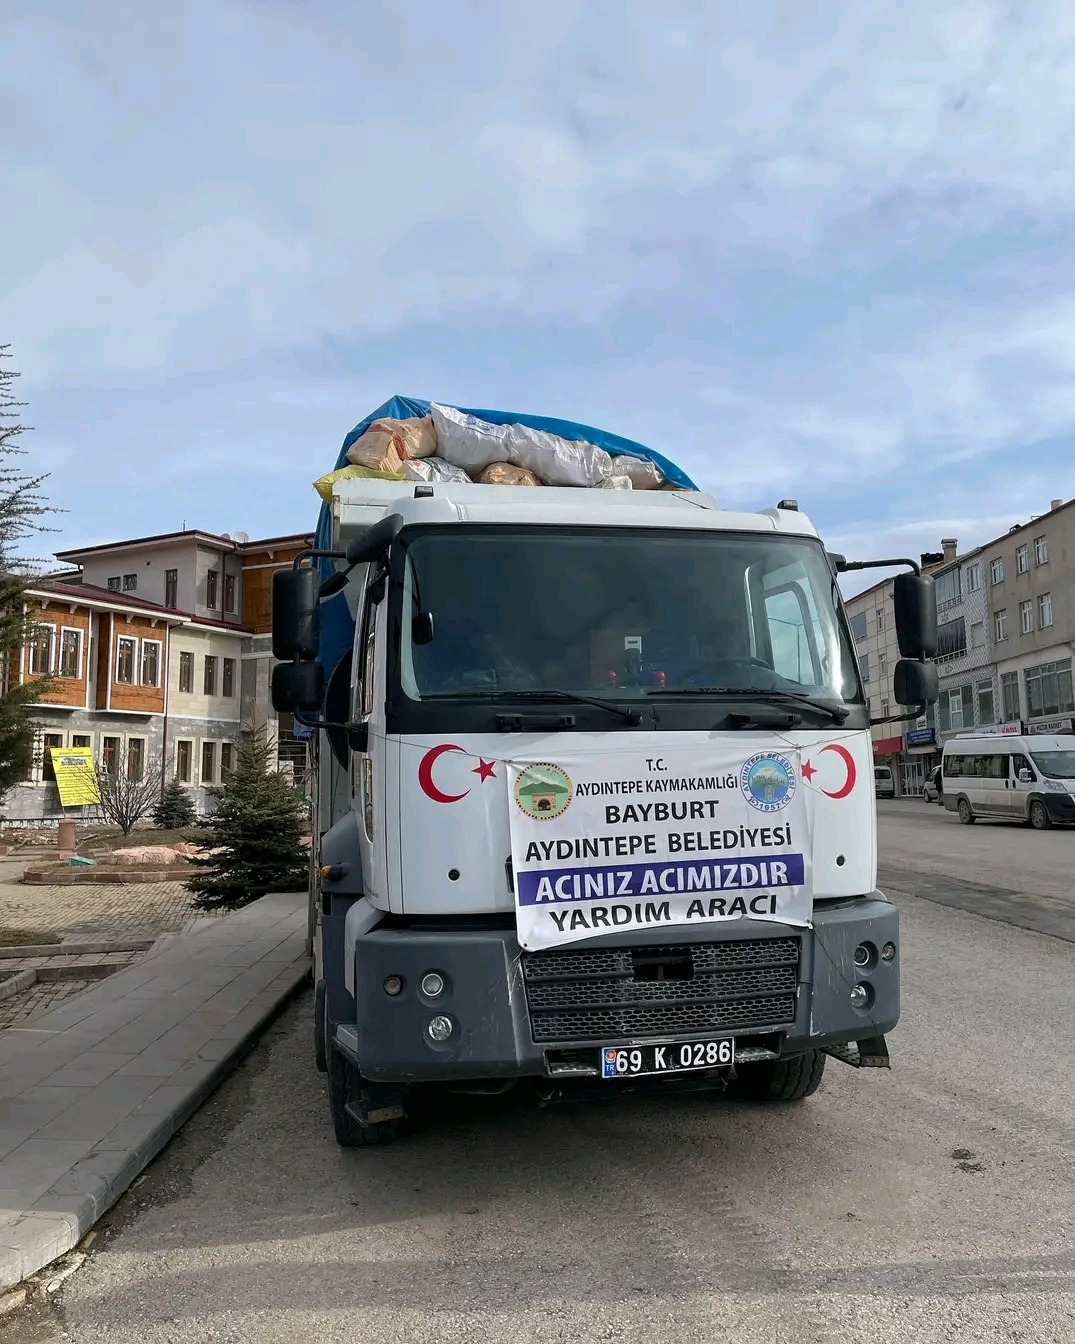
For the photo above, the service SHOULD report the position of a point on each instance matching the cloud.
(819, 251)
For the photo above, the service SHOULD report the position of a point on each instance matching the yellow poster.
(75, 776)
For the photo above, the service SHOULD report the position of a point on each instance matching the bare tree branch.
(125, 801)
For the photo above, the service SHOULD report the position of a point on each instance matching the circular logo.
(544, 791)
(768, 782)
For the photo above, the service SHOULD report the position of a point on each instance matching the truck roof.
(356, 504)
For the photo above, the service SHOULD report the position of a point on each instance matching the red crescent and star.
(484, 770)
(809, 770)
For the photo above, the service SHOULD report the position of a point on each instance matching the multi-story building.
(1029, 575)
(968, 684)
(910, 747)
(158, 651)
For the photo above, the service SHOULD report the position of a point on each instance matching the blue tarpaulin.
(337, 627)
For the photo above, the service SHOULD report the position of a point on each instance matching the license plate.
(632, 1061)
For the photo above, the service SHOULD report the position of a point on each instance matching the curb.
(58, 1219)
(17, 983)
(27, 950)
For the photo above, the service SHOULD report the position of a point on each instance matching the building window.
(209, 676)
(114, 584)
(82, 741)
(212, 580)
(947, 588)
(130, 583)
(227, 760)
(974, 578)
(71, 653)
(136, 758)
(151, 662)
(952, 638)
(977, 635)
(227, 687)
(864, 667)
(996, 570)
(42, 640)
(880, 618)
(984, 693)
(171, 587)
(229, 594)
(208, 762)
(884, 709)
(186, 673)
(125, 656)
(110, 754)
(1026, 617)
(956, 709)
(1041, 550)
(858, 626)
(1009, 697)
(1048, 690)
(1000, 625)
(1022, 560)
(48, 742)
(882, 661)
(1045, 611)
(184, 757)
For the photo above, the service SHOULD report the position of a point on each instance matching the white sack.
(475, 444)
(644, 475)
(434, 469)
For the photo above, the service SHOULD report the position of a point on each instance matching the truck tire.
(1039, 816)
(781, 1080)
(966, 815)
(344, 1085)
(320, 1028)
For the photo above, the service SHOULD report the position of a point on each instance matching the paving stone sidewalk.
(101, 911)
(93, 1090)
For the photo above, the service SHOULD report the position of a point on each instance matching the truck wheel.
(966, 816)
(344, 1085)
(320, 1027)
(776, 1080)
(1039, 816)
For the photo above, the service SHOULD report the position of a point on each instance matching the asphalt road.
(934, 1203)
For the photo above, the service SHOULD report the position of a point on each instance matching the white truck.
(594, 793)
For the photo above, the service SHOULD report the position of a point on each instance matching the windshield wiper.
(838, 713)
(549, 697)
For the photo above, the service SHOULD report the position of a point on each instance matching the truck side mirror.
(298, 688)
(915, 683)
(914, 601)
(296, 621)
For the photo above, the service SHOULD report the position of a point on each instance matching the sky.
(823, 251)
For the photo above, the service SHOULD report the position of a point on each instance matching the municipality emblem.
(768, 782)
(543, 791)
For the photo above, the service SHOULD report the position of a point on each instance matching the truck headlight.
(440, 1029)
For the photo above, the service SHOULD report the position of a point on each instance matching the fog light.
(860, 996)
(440, 1028)
(888, 952)
(863, 954)
(432, 985)
(393, 985)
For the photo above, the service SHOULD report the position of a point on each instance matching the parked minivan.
(884, 784)
(1028, 779)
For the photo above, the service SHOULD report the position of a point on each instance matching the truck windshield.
(1055, 764)
(616, 612)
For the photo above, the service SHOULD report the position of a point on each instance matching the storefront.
(920, 754)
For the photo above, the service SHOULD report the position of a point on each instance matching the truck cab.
(595, 797)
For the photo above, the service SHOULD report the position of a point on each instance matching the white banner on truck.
(621, 840)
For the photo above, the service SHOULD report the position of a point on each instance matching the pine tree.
(255, 835)
(175, 809)
(21, 508)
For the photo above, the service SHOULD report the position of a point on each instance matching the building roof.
(1037, 521)
(194, 535)
(91, 595)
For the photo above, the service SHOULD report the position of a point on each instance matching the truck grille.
(611, 993)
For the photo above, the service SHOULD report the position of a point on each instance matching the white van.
(1029, 779)
(883, 783)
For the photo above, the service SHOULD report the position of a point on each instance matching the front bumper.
(494, 1006)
